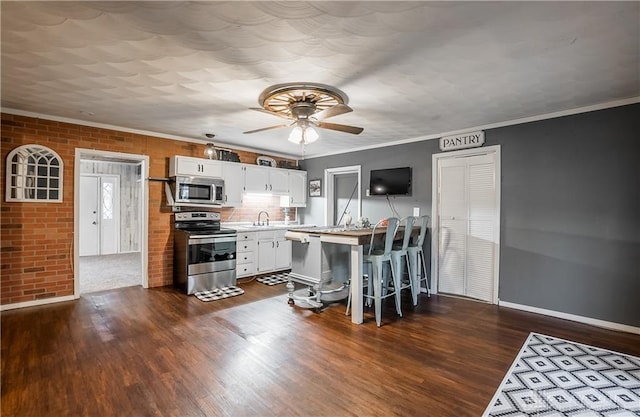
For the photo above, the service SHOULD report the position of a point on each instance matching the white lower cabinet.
(283, 251)
(273, 251)
(246, 254)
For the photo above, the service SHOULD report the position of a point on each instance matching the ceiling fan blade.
(266, 128)
(332, 111)
(342, 128)
(269, 112)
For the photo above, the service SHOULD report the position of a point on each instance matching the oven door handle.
(201, 240)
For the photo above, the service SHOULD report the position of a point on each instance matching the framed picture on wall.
(315, 188)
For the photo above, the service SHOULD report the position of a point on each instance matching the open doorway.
(110, 221)
(343, 191)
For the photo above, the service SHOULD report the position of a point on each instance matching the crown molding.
(545, 116)
(142, 132)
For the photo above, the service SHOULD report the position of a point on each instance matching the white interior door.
(452, 227)
(99, 215)
(109, 215)
(467, 226)
(88, 221)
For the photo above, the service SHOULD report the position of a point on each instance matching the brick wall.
(36, 253)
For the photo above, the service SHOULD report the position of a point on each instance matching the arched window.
(34, 173)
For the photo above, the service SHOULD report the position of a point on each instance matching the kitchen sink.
(264, 226)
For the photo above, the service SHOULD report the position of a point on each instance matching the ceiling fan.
(306, 105)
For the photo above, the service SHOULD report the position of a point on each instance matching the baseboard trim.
(37, 302)
(573, 317)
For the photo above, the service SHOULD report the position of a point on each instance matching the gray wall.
(570, 226)
(415, 155)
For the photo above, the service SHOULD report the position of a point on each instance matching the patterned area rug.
(219, 293)
(274, 279)
(556, 377)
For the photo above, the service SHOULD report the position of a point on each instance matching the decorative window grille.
(107, 201)
(34, 174)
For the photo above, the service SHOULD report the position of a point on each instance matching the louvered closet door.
(453, 227)
(468, 226)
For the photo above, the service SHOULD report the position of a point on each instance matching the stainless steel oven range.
(204, 255)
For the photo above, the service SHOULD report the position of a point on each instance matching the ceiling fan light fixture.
(296, 135)
(307, 105)
(303, 135)
(310, 135)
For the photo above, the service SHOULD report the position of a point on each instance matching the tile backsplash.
(252, 205)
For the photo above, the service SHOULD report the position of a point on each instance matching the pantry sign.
(462, 141)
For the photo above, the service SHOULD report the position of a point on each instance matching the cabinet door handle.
(270, 187)
(277, 244)
(273, 245)
(266, 187)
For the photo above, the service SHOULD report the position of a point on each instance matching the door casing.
(143, 160)
(435, 233)
(329, 191)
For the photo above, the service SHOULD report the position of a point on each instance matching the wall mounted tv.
(393, 181)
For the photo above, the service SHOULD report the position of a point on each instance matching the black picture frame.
(315, 188)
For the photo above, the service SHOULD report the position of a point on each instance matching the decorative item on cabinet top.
(266, 161)
(288, 165)
(228, 155)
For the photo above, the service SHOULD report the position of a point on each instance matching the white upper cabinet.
(186, 165)
(233, 174)
(256, 179)
(279, 181)
(259, 179)
(245, 178)
(297, 188)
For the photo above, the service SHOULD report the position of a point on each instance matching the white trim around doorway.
(485, 150)
(143, 160)
(329, 180)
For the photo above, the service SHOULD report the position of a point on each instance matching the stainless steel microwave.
(198, 190)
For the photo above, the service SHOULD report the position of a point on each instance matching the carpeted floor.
(557, 377)
(106, 272)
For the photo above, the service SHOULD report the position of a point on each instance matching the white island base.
(310, 266)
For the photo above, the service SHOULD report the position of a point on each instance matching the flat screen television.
(393, 181)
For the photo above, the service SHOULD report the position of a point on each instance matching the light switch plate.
(416, 211)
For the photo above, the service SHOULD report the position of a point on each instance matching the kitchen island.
(355, 239)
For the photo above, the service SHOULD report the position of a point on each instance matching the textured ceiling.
(410, 69)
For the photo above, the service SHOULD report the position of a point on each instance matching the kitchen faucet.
(259, 214)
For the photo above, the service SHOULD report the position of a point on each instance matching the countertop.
(248, 227)
(336, 234)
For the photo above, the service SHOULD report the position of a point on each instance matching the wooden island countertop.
(334, 234)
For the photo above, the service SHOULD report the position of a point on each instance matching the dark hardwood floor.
(136, 352)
